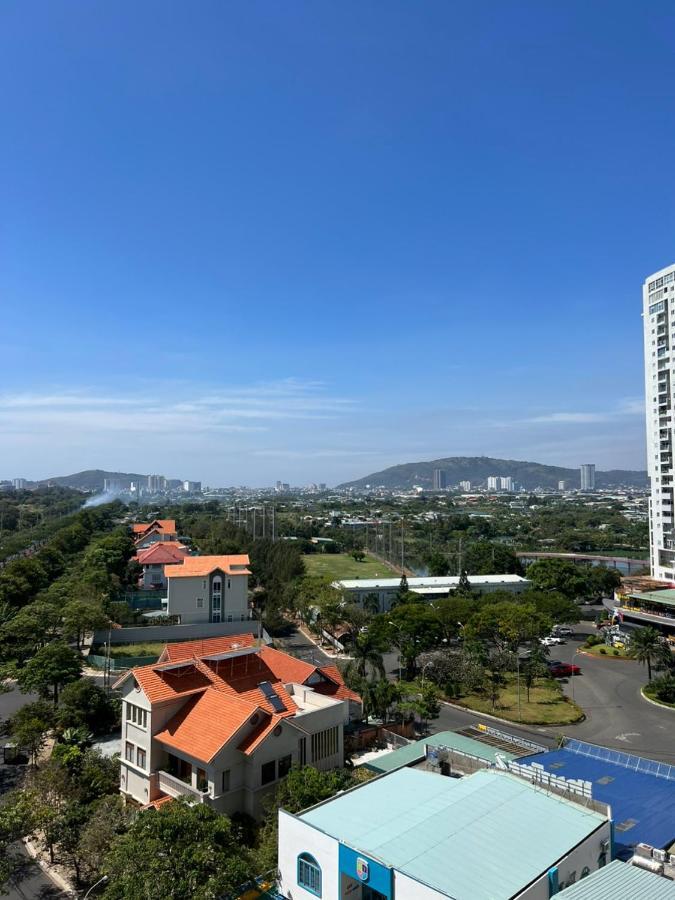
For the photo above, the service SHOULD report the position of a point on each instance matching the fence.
(166, 633)
(439, 756)
(512, 739)
(120, 663)
(626, 760)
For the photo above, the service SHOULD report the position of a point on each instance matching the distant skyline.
(249, 242)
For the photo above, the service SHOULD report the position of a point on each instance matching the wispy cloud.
(629, 406)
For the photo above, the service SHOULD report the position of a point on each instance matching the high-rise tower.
(658, 314)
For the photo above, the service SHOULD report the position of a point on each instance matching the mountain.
(476, 469)
(92, 480)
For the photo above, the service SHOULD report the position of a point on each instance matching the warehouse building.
(386, 589)
(416, 835)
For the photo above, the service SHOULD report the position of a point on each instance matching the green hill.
(476, 469)
(92, 479)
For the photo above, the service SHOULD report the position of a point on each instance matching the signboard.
(361, 869)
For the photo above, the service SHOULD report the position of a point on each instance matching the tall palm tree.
(646, 646)
(366, 653)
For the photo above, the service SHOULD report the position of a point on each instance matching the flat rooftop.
(416, 751)
(431, 828)
(642, 802)
(620, 881)
(666, 596)
(446, 582)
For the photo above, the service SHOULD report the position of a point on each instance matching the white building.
(386, 589)
(465, 485)
(221, 721)
(192, 487)
(493, 482)
(416, 835)
(658, 309)
(587, 477)
(209, 589)
(506, 483)
(19, 484)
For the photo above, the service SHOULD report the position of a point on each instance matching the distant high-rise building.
(506, 483)
(562, 485)
(658, 317)
(587, 472)
(440, 479)
(465, 485)
(493, 482)
(192, 487)
(322, 485)
(156, 483)
(19, 484)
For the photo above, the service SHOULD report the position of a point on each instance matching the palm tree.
(367, 653)
(646, 645)
(371, 603)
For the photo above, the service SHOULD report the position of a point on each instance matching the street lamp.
(525, 657)
(399, 629)
(102, 880)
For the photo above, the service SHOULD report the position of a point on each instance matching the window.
(285, 764)
(137, 716)
(309, 874)
(268, 772)
(657, 307)
(325, 743)
(140, 757)
(129, 752)
(225, 784)
(200, 603)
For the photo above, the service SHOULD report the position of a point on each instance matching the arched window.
(309, 874)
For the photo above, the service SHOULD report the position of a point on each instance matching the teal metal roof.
(483, 837)
(414, 752)
(667, 596)
(621, 881)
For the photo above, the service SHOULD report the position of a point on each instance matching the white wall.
(297, 837)
(184, 592)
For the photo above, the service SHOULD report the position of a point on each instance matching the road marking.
(626, 736)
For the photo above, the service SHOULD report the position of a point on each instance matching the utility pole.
(273, 536)
(263, 521)
(402, 549)
(254, 523)
(459, 558)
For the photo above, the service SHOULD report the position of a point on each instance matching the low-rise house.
(147, 533)
(153, 560)
(209, 589)
(222, 720)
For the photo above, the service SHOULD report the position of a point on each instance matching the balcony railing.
(175, 787)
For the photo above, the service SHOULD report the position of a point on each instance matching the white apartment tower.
(587, 476)
(658, 301)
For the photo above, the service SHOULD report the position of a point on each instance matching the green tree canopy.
(52, 667)
(487, 558)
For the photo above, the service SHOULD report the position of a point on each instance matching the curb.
(58, 880)
(605, 656)
(655, 702)
(514, 724)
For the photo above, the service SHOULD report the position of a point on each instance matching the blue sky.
(306, 240)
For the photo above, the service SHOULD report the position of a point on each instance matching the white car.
(550, 641)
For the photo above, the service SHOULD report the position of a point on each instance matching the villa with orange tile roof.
(222, 720)
(209, 589)
(154, 558)
(147, 533)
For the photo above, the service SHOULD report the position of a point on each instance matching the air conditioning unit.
(650, 864)
(644, 850)
(660, 855)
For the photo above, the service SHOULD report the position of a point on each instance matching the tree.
(413, 629)
(81, 617)
(559, 575)
(486, 558)
(532, 668)
(84, 703)
(664, 688)
(29, 726)
(367, 652)
(452, 613)
(371, 603)
(602, 582)
(647, 646)
(506, 625)
(108, 819)
(463, 588)
(357, 555)
(437, 564)
(558, 608)
(180, 851)
(52, 667)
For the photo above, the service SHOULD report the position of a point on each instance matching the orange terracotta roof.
(206, 647)
(159, 685)
(259, 734)
(168, 526)
(165, 552)
(337, 688)
(159, 802)
(241, 676)
(203, 565)
(285, 667)
(205, 724)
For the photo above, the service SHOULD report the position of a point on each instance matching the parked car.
(563, 630)
(551, 641)
(563, 670)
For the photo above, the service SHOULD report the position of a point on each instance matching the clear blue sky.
(305, 240)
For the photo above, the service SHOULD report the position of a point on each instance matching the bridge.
(622, 563)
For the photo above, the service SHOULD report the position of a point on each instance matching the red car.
(562, 670)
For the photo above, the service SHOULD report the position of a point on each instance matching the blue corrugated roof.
(621, 881)
(431, 828)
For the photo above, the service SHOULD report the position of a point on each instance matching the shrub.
(593, 639)
(603, 650)
(663, 688)
(615, 652)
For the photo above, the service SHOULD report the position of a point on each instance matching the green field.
(338, 566)
(548, 705)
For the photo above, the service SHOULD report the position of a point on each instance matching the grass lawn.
(610, 652)
(548, 705)
(149, 648)
(338, 566)
(648, 691)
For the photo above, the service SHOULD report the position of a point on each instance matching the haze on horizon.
(247, 242)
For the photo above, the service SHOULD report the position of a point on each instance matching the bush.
(615, 652)
(593, 640)
(663, 688)
(603, 650)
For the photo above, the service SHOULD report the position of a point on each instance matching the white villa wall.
(183, 594)
(296, 837)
